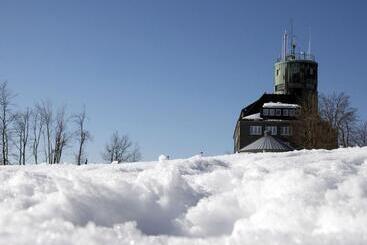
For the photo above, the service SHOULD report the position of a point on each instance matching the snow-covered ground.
(304, 197)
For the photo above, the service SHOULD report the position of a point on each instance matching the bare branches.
(311, 131)
(61, 136)
(361, 134)
(46, 116)
(82, 135)
(21, 130)
(37, 126)
(6, 118)
(120, 149)
(54, 131)
(336, 109)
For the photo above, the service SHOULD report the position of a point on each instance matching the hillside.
(304, 197)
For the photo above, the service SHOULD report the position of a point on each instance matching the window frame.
(270, 129)
(271, 112)
(285, 132)
(278, 112)
(255, 130)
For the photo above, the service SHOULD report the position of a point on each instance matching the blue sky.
(173, 75)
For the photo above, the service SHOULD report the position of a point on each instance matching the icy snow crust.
(304, 197)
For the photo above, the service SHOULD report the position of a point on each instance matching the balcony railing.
(297, 56)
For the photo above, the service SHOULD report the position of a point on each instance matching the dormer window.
(278, 109)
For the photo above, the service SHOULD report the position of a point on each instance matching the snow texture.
(255, 116)
(162, 158)
(300, 197)
(279, 105)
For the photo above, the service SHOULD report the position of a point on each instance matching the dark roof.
(256, 106)
(267, 144)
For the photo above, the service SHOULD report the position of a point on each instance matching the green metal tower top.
(295, 73)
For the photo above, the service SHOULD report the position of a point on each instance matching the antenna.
(293, 42)
(309, 42)
(285, 44)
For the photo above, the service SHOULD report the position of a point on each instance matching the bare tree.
(311, 131)
(46, 114)
(336, 109)
(21, 130)
(61, 135)
(362, 134)
(37, 126)
(135, 154)
(121, 149)
(82, 135)
(6, 118)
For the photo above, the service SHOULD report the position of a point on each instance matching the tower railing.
(297, 56)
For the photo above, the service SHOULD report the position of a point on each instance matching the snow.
(163, 158)
(299, 197)
(255, 116)
(279, 105)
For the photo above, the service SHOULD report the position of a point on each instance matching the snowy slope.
(305, 197)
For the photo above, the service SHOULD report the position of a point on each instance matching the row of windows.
(296, 69)
(278, 112)
(273, 130)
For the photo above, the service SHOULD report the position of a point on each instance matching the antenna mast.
(309, 42)
(285, 44)
(293, 42)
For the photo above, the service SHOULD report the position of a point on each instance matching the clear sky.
(173, 75)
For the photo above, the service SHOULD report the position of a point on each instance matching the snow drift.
(301, 197)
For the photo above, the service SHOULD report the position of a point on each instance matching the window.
(285, 112)
(256, 130)
(286, 130)
(271, 112)
(271, 129)
(291, 113)
(265, 112)
(277, 72)
(279, 87)
(278, 112)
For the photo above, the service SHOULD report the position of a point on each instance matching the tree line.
(42, 133)
(333, 123)
(337, 110)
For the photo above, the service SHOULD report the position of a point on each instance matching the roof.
(256, 106)
(279, 105)
(255, 116)
(267, 143)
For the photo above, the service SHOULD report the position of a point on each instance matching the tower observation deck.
(295, 73)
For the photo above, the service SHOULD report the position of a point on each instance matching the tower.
(295, 73)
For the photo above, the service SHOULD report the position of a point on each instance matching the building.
(278, 114)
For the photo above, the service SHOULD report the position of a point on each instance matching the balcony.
(297, 56)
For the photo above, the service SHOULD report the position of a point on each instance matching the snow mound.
(300, 197)
(163, 158)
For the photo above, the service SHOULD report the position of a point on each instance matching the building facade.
(277, 114)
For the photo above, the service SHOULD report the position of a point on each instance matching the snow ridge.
(300, 197)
